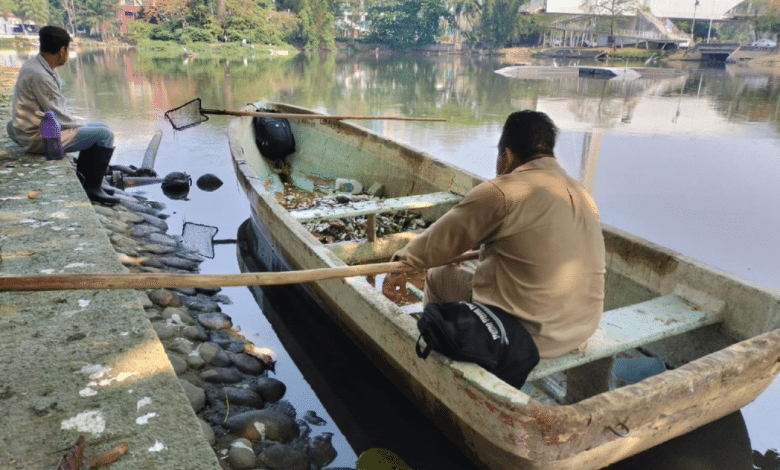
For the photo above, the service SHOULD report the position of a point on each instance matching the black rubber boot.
(90, 168)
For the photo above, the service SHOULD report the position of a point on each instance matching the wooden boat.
(718, 334)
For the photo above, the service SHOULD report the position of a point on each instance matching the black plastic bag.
(474, 332)
(273, 136)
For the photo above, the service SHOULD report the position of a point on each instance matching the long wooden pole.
(48, 282)
(315, 116)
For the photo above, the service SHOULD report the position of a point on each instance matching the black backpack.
(474, 332)
(273, 136)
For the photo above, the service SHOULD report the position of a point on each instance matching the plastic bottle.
(344, 185)
(50, 131)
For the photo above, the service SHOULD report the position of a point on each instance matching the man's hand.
(394, 287)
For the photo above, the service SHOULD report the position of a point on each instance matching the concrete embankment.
(79, 362)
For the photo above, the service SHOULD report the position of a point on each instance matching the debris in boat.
(376, 189)
(348, 228)
(344, 185)
(209, 182)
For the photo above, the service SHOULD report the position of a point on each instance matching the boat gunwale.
(510, 405)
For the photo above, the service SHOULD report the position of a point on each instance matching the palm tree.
(99, 15)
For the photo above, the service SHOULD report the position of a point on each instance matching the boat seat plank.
(362, 208)
(630, 327)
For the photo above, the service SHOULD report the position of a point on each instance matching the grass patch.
(202, 50)
(633, 53)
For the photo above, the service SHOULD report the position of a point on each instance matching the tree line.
(317, 24)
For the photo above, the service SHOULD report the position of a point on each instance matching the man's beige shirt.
(541, 251)
(37, 90)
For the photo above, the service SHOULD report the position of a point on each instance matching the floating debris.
(209, 182)
(176, 185)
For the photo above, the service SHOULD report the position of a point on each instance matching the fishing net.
(187, 115)
(200, 238)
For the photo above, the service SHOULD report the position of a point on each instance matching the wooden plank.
(632, 326)
(355, 209)
(367, 252)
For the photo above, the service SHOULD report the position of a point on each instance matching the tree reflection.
(463, 89)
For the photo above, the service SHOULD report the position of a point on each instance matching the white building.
(671, 9)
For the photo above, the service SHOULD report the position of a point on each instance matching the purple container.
(50, 131)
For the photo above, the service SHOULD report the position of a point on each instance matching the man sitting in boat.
(541, 247)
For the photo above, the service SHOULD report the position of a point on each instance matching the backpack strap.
(422, 353)
(499, 323)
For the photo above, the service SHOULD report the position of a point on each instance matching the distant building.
(651, 26)
(10, 25)
(352, 24)
(668, 9)
(128, 11)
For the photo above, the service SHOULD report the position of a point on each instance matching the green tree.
(7, 7)
(769, 18)
(138, 30)
(465, 13)
(255, 22)
(404, 24)
(500, 21)
(35, 10)
(610, 10)
(317, 24)
(69, 9)
(100, 16)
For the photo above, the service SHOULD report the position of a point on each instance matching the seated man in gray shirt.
(38, 90)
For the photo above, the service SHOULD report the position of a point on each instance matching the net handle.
(182, 117)
(315, 116)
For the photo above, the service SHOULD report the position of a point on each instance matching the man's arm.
(464, 227)
(49, 98)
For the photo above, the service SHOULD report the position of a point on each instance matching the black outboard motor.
(273, 136)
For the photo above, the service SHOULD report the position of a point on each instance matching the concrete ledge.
(79, 362)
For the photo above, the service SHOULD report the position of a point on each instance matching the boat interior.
(662, 310)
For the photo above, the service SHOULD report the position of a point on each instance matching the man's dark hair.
(53, 38)
(527, 133)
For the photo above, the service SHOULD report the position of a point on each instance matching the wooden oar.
(47, 282)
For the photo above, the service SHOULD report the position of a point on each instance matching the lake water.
(689, 162)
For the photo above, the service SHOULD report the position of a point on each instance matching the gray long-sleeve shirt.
(37, 90)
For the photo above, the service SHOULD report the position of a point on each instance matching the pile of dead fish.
(225, 377)
(354, 228)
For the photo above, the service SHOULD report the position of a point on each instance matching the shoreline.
(160, 373)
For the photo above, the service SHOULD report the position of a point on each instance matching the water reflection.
(463, 89)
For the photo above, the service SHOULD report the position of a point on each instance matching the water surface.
(690, 162)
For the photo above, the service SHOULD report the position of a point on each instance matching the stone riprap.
(225, 377)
